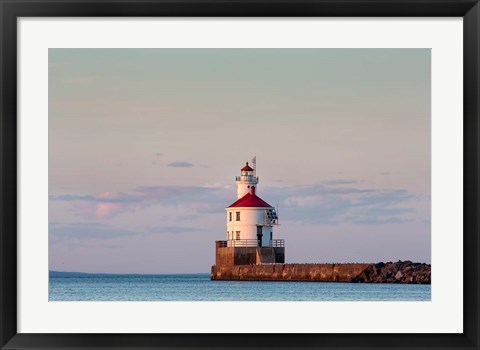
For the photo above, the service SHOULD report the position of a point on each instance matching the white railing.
(246, 178)
(249, 243)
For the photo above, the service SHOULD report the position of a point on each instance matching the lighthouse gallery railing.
(246, 178)
(250, 243)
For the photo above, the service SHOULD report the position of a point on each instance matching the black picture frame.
(11, 10)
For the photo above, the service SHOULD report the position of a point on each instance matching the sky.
(145, 144)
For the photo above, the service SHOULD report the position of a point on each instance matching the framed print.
(239, 175)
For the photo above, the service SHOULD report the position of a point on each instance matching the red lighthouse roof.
(246, 168)
(250, 200)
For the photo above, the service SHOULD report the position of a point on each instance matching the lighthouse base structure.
(234, 256)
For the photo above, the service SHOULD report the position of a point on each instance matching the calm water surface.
(199, 287)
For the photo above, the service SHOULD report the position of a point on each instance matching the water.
(199, 287)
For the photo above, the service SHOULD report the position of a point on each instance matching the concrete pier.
(289, 272)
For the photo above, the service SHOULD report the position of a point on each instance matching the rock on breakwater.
(399, 272)
(396, 272)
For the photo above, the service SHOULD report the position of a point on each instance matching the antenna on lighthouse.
(254, 163)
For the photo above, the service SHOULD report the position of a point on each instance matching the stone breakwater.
(391, 272)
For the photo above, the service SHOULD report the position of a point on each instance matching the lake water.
(199, 287)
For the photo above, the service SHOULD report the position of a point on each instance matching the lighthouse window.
(230, 216)
(238, 216)
(237, 234)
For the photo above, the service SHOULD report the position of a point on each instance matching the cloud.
(107, 205)
(109, 197)
(75, 234)
(322, 203)
(90, 230)
(189, 196)
(71, 198)
(218, 185)
(386, 173)
(201, 199)
(180, 165)
(78, 234)
(103, 206)
(174, 229)
(107, 210)
(339, 182)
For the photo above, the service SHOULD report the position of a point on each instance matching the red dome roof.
(246, 168)
(250, 200)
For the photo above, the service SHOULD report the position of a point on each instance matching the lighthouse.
(250, 223)
(250, 219)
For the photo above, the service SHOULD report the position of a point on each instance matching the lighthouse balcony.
(247, 178)
(249, 243)
(277, 243)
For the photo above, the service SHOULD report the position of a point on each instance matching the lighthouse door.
(259, 235)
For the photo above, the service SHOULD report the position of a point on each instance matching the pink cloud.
(107, 210)
(107, 205)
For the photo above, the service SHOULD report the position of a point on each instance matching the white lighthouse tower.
(246, 180)
(250, 219)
